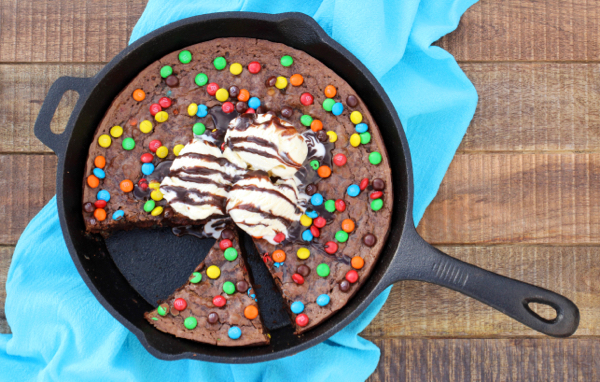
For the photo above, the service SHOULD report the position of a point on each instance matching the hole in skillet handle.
(543, 310)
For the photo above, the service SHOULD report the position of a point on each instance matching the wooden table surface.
(521, 198)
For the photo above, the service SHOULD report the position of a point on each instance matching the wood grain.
(5, 259)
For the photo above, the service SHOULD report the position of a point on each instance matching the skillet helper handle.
(509, 296)
(58, 142)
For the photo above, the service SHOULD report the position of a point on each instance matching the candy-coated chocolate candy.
(352, 276)
(103, 195)
(128, 143)
(149, 205)
(337, 108)
(306, 120)
(254, 103)
(353, 190)
(116, 131)
(375, 158)
(355, 140)
(271, 81)
(162, 152)
(220, 63)
(162, 309)
(192, 109)
(100, 203)
(164, 102)
(139, 95)
(224, 244)
(302, 319)
(146, 126)
(332, 136)
(198, 128)
(296, 80)
(287, 60)
(100, 214)
(341, 236)
(340, 205)
(250, 111)
(157, 196)
(222, 95)
(172, 81)
(89, 207)
(330, 91)
(378, 184)
(303, 270)
(376, 195)
(339, 159)
(234, 332)
(126, 185)
(179, 304)
(99, 173)
(311, 189)
(254, 67)
(361, 128)
(279, 237)
(315, 231)
(157, 211)
(147, 158)
(328, 104)
(357, 262)
(287, 112)
(307, 235)
(365, 138)
(352, 101)
(143, 184)
(298, 279)
(190, 323)
(323, 300)
(297, 307)
(104, 140)
(347, 225)
(201, 79)
(230, 254)
(166, 71)
(147, 168)
(303, 253)
(195, 278)
(316, 125)
(227, 107)
(356, 117)
(315, 164)
(251, 312)
(312, 214)
(322, 136)
(278, 256)
(212, 88)
(330, 206)
(185, 56)
(244, 95)
(320, 222)
(323, 270)
(213, 272)
(281, 82)
(306, 99)
(228, 287)
(154, 184)
(202, 111)
(324, 171)
(316, 199)
(331, 247)
(236, 68)
(363, 184)
(161, 116)
(177, 149)
(305, 220)
(377, 204)
(155, 108)
(213, 318)
(219, 301)
(100, 161)
(242, 286)
(154, 145)
(344, 286)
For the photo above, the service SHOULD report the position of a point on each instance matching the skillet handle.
(421, 261)
(58, 142)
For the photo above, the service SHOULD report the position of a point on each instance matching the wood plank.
(5, 258)
(458, 360)
(66, 30)
(527, 30)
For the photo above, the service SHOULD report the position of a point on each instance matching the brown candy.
(322, 136)
(261, 110)
(227, 234)
(173, 311)
(241, 286)
(271, 112)
(311, 189)
(287, 112)
(165, 306)
(234, 91)
(241, 107)
(168, 212)
(88, 207)
(92, 221)
(213, 318)
(369, 240)
(270, 82)
(344, 286)
(303, 270)
(378, 184)
(172, 81)
(351, 101)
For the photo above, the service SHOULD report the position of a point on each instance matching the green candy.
(196, 277)
(230, 254)
(185, 56)
(330, 205)
(190, 323)
(155, 319)
(306, 120)
(128, 143)
(149, 205)
(315, 164)
(199, 128)
(201, 79)
(287, 60)
(166, 71)
(376, 204)
(328, 104)
(228, 287)
(162, 311)
(323, 270)
(341, 236)
(375, 158)
(220, 63)
(365, 138)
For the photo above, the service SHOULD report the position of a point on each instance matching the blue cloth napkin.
(59, 330)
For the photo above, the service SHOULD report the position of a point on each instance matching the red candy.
(363, 184)
(100, 203)
(340, 205)
(154, 145)
(250, 111)
(212, 88)
(165, 102)
(298, 279)
(224, 244)
(254, 67)
(223, 146)
(331, 247)
(376, 195)
(219, 301)
(306, 99)
(143, 184)
(302, 319)
(147, 157)
(320, 222)
(279, 237)
(267, 258)
(339, 159)
(227, 107)
(155, 108)
(352, 276)
(179, 304)
(315, 231)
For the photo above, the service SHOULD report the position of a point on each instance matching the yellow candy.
(161, 116)
(157, 211)
(162, 152)
(192, 109)
(154, 185)
(355, 140)
(116, 131)
(303, 253)
(332, 136)
(156, 195)
(305, 220)
(356, 117)
(146, 126)
(281, 82)
(213, 272)
(236, 69)
(222, 95)
(177, 149)
(104, 140)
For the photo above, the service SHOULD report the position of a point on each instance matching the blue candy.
(297, 307)
(103, 195)
(353, 190)
(254, 103)
(234, 332)
(118, 215)
(202, 111)
(307, 235)
(99, 173)
(323, 300)
(337, 108)
(361, 128)
(312, 214)
(147, 168)
(316, 199)
(169, 93)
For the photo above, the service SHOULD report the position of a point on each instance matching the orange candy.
(244, 95)
(92, 181)
(348, 225)
(139, 95)
(251, 312)
(100, 161)
(296, 79)
(316, 125)
(330, 91)
(100, 214)
(278, 256)
(324, 171)
(126, 185)
(357, 262)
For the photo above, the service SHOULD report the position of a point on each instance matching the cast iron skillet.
(405, 256)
